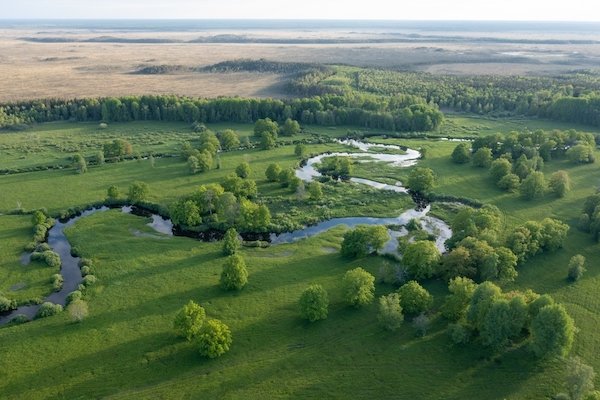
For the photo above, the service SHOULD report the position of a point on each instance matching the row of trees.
(362, 110)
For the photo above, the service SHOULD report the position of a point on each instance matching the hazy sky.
(555, 10)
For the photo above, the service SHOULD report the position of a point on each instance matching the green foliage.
(234, 275)
(483, 157)
(536, 305)
(7, 304)
(421, 259)
(358, 287)
(214, 339)
(290, 127)
(231, 242)
(138, 192)
(576, 267)
(79, 164)
(552, 331)
(337, 167)
(185, 213)
(57, 282)
(534, 186)
(314, 303)
(117, 149)
(500, 168)
(229, 140)
(112, 193)
(390, 315)
(48, 309)
(509, 183)
(99, 157)
(459, 334)
(265, 125)
(364, 240)
(189, 320)
(461, 153)
(580, 379)
(193, 164)
(315, 190)
(243, 170)
(300, 150)
(78, 310)
(581, 154)
(482, 300)
(560, 183)
(461, 291)
(414, 298)
(503, 321)
(74, 295)
(421, 179)
(272, 172)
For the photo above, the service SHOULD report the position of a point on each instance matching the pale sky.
(530, 10)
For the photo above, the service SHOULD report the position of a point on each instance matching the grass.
(126, 348)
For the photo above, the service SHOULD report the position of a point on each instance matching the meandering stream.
(71, 273)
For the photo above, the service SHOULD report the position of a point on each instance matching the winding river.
(71, 273)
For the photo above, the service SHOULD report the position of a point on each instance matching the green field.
(126, 348)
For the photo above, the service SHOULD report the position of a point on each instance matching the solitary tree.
(461, 153)
(390, 312)
(560, 183)
(359, 287)
(189, 320)
(290, 127)
(414, 298)
(79, 164)
(214, 339)
(363, 240)
(272, 172)
(534, 186)
(314, 303)
(234, 275)
(300, 150)
(112, 193)
(552, 331)
(576, 267)
(231, 242)
(421, 179)
(78, 310)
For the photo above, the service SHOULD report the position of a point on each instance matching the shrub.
(421, 179)
(314, 303)
(414, 298)
(89, 280)
(189, 320)
(560, 183)
(214, 339)
(458, 333)
(483, 157)
(576, 267)
(57, 282)
(272, 172)
(534, 186)
(78, 310)
(234, 275)
(19, 319)
(390, 315)
(7, 304)
(552, 331)
(48, 309)
(86, 270)
(461, 153)
(363, 240)
(509, 182)
(358, 287)
(74, 295)
(243, 170)
(51, 258)
(421, 324)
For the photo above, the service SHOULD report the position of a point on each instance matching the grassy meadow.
(126, 348)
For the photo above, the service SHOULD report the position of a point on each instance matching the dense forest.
(394, 113)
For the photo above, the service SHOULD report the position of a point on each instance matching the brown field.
(75, 69)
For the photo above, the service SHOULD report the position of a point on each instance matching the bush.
(314, 303)
(414, 298)
(74, 295)
(358, 287)
(560, 183)
(272, 172)
(459, 334)
(189, 320)
(243, 170)
(534, 186)
(390, 315)
(48, 309)
(363, 240)
(576, 267)
(234, 275)
(86, 270)
(78, 310)
(57, 282)
(51, 258)
(7, 304)
(510, 183)
(89, 280)
(421, 179)
(19, 319)
(214, 339)
(461, 153)
(421, 324)
(483, 157)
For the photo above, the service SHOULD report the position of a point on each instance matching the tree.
(457, 263)
(363, 240)
(268, 141)
(315, 190)
(461, 153)
(580, 379)
(421, 258)
(358, 287)
(78, 310)
(99, 157)
(231, 242)
(421, 323)
(272, 172)
(552, 331)
(300, 150)
(509, 182)
(421, 179)
(138, 192)
(112, 193)
(234, 275)
(243, 170)
(414, 298)
(290, 127)
(461, 291)
(193, 164)
(117, 149)
(581, 154)
(205, 161)
(265, 125)
(390, 312)
(483, 297)
(208, 142)
(560, 183)
(214, 339)
(576, 267)
(500, 168)
(534, 186)
(189, 320)
(314, 303)
(483, 157)
(504, 321)
(79, 164)
(185, 213)
(229, 140)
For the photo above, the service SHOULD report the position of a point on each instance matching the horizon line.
(294, 19)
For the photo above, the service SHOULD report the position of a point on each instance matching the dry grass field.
(75, 68)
